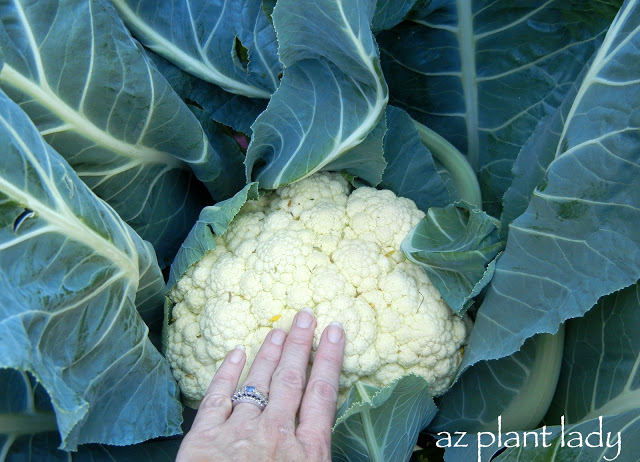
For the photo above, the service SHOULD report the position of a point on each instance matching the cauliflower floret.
(307, 194)
(362, 261)
(325, 218)
(380, 216)
(315, 243)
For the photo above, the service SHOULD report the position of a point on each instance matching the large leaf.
(515, 391)
(600, 373)
(599, 380)
(72, 273)
(74, 68)
(235, 111)
(411, 171)
(605, 438)
(530, 167)
(579, 238)
(28, 429)
(366, 160)
(456, 247)
(382, 424)
(482, 73)
(390, 13)
(331, 96)
(229, 43)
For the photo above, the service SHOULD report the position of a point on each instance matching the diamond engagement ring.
(251, 395)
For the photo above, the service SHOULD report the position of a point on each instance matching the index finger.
(318, 407)
(216, 406)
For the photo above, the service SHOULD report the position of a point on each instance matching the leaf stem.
(456, 164)
(27, 424)
(467, 42)
(374, 449)
(529, 406)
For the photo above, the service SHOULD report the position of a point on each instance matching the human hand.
(244, 432)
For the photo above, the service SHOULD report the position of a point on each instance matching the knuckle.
(277, 430)
(243, 449)
(245, 430)
(225, 377)
(322, 440)
(270, 357)
(291, 377)
(215, 402)
(328, 356)
(318, 446)
(205, 434)
(299, 340)
(323, 390)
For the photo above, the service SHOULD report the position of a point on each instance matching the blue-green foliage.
(25, 408)
(73, 274)
(235, 111)
(583, 220)
(600, 374)
(393, 414)
(597, 393)
(411, 170)
(229, 43)
(542, 99)
(111, 115)
(331, 96)
(482, 73)
(456, 245)
(213, 220)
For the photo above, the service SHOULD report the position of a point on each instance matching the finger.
(287, 383)
(215, 407)
(262, 369)
(317, 411)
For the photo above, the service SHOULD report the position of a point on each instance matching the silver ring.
(249, 394)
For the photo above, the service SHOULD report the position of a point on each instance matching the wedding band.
(249, 394)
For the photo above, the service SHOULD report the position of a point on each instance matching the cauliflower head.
(318, 244)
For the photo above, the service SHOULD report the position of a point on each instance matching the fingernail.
(235, 357)
(334, 332)
(278, 336)
(304, 318)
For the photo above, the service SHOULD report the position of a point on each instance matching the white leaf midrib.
(467, 47)
(32, 44)
(42, 92)
(600, 59)
(359, 134)
(624, 402)
(375, 452)
(71, 117)
(68, 225)
(263, 58)
(204, 70)
(62, 218)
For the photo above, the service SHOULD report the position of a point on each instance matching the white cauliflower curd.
(316, 243)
